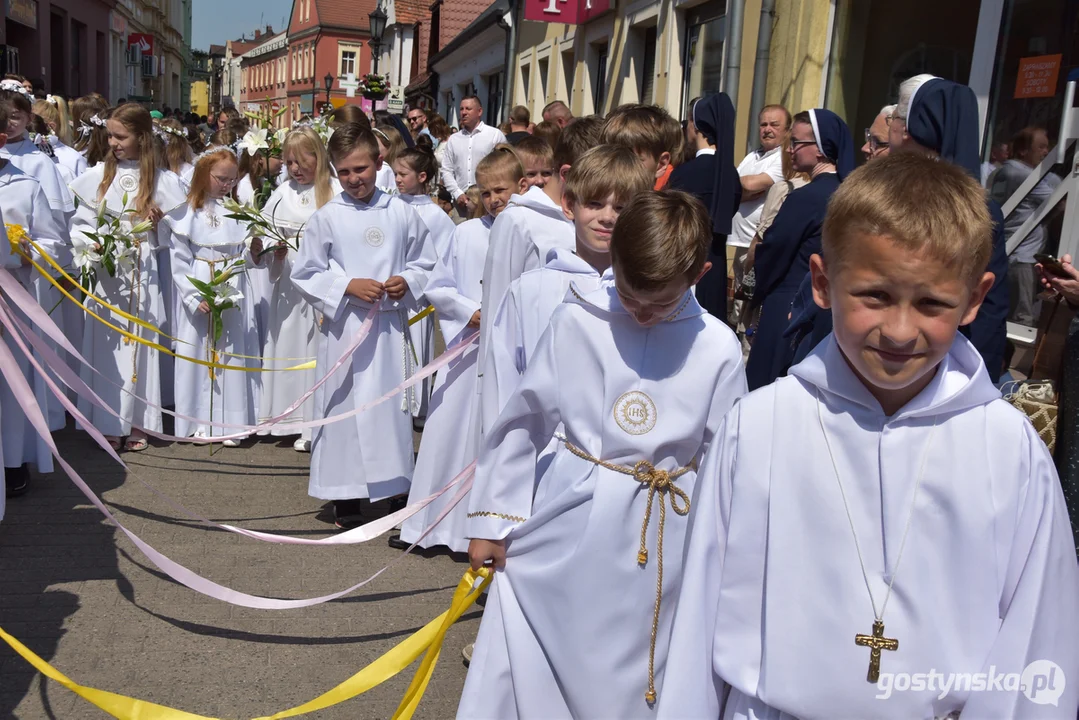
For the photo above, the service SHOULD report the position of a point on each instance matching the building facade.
(64, 44)
(263, 71)
(327, 40)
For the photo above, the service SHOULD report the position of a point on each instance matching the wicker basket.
(1038, 402)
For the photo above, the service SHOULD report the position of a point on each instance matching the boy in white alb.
(640, 377)
(533, 224)
(597, 188)
(363, 252)
(879, 534)
(455, 289)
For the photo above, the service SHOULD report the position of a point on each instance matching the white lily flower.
(84, 257)
(280, 135)
(228, 292)
(126, 257)
(141, 227)
(254, 141)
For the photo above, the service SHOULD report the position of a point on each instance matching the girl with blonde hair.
(205, 243)
(54, 112)
(128, 172)
(292, 324)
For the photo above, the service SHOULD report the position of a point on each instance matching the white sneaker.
(231, 443)
(302, 445)
(466, 653)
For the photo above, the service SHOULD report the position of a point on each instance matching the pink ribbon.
(20, 388)
(42, 320)
(354, 536)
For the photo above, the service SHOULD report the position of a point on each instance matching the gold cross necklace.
(876, 642)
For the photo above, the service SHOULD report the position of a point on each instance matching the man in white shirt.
(466, 148)
(759, 170)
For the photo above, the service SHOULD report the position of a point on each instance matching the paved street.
(78, 593)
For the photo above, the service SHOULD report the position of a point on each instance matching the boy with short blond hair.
(639, 376)
(538, 160)
(882, 507)
(649, 131)
(598, 187)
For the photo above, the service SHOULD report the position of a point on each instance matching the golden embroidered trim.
(658, 481)
(500, 516)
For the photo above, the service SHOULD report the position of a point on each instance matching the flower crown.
(95, 120)
(52, 100)
(164, 131)
(14, 86)
(214, 149)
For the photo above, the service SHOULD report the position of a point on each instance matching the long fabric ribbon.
(427, 639)
(24, 395)
(42, 320)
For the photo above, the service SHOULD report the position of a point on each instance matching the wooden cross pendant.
(876, 642)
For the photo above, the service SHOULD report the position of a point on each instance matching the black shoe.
(397, 543)
(397, 502)
(346, 514)
(16, 481)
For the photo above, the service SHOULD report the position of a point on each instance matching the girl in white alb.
(293, 326)
(205, 244)
(128, 173)
(414, 169)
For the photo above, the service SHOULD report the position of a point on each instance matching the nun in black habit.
(782, 260)
(713, 178)
(943, 117)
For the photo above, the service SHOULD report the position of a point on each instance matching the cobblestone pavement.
(77, 592)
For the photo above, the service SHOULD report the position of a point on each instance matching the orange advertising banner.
(1037, 77)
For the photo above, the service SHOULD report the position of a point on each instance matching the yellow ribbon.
(421, 315)
(149, 343)
(429, 638)
(128, 316)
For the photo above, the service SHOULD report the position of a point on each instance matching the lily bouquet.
(220, 294)
(258, 225)
(112, 247)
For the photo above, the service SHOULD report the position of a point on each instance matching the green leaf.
(201, 286)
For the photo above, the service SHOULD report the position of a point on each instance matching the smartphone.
(1050, 264)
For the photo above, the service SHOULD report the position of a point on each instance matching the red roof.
(457, 15)
(410, 12)
(345, 13)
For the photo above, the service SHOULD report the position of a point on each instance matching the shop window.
(706, 32)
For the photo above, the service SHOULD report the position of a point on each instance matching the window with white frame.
(349, 54)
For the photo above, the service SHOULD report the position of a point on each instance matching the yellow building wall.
(797, 53)
(200, 97)
(567, 51)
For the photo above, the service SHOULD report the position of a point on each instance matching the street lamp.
(328, 82)
(377, 20)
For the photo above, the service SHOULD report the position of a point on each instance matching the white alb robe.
(292, 330)
(53, 179)
(567, 625)
(24, 203)
(205, 242)
(369, 455)
(454, 289)
(774, 593)
(258, 276)
(521, 239)
(422, 332)
(134, 367)
(68, 156)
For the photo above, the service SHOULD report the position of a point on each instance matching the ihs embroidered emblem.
(374, 236)
(213, 220)
(635, 412)
(305, 199)
(128, 182)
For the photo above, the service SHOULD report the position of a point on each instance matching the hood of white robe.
(537, 200)
(605, 300)
(961, 381)
(169, 193)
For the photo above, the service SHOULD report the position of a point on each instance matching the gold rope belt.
(662, 482)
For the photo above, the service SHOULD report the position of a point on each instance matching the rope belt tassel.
(659, 482)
